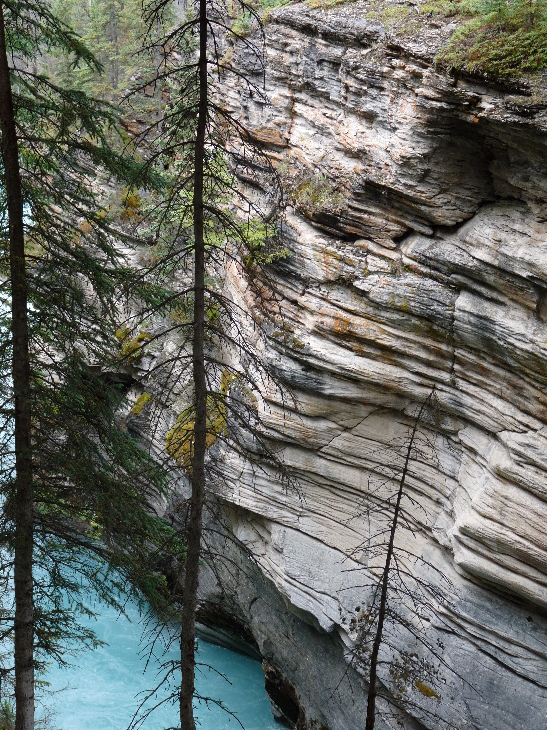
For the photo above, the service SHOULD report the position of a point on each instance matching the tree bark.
(372, 687)
(24, 603)
(187, 634)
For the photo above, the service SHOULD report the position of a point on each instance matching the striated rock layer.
(418, 233)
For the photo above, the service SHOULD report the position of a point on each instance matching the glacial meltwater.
(103, 688)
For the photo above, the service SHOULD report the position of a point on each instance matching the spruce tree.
(24, 604)
(79, 485)
(206, 217)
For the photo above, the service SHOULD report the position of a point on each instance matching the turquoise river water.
(102, 691)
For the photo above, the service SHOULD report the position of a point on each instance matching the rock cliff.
(417, 224)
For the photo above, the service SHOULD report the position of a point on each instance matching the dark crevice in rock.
(222, 627)
(285, 705)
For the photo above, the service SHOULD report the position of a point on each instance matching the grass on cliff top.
(496, 38)
(500, 38)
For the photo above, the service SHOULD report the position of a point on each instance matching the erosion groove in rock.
(418, 231)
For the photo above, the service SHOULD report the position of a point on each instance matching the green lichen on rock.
(141, 401)
(179, 440)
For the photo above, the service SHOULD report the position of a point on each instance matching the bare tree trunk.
(115, 60)
(24, 604)
(158, 83)
(187, 634)
(372, 687)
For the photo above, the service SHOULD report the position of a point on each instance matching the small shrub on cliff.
(263, 244)
(317, 192)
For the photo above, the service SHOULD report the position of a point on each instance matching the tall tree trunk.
(372, 687)
(158, 83)
(187, 634)
(115, 43)
(24, 604)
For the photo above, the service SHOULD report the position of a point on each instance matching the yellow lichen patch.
(132, 348)
(141, 401)
(131, 207)
(122, 333)
(85, 227)
(226, 378)
(179, 441)
(426, 690)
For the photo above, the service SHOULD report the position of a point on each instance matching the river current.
(101, 690)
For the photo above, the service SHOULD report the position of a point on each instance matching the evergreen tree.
(76, 475)
(116, 32)
(205, 217)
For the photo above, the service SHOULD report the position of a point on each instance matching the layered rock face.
(418, 237)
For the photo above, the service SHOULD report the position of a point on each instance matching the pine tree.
(77, 475)
(206, 217)
(116, 32)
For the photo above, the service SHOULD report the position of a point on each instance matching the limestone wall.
(418, 230)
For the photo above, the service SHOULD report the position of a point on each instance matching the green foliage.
(115, 30)
(262, 242)
(317, 192)
(503, 38)
(326, 4)
(7, 716)
(243, 24)
(395, 13)
(92, 481)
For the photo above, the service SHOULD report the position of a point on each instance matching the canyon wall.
(417, 226)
